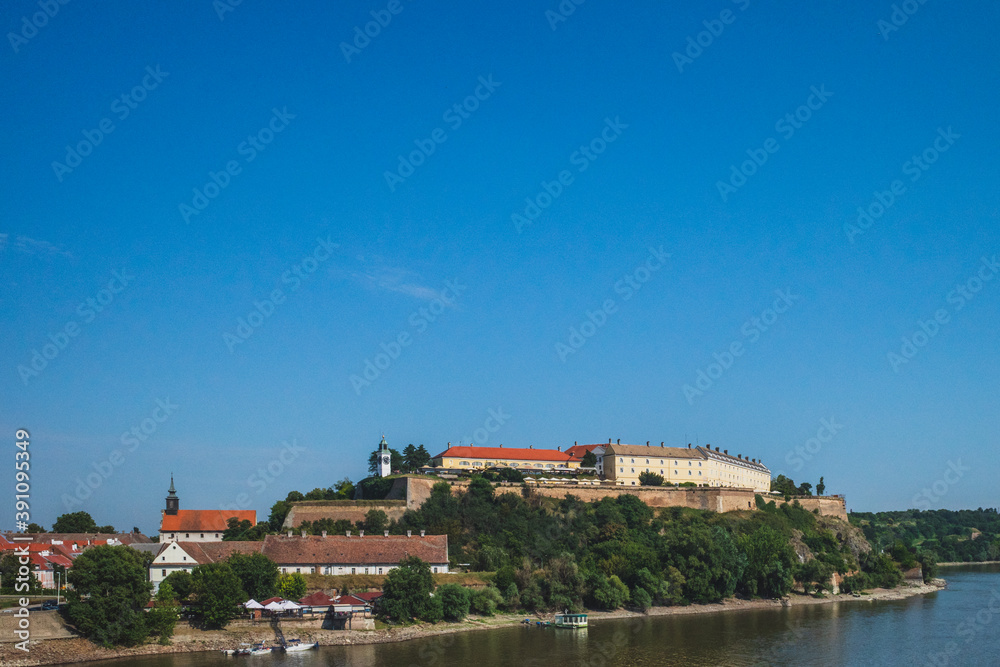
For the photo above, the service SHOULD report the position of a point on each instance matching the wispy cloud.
(394, 279)
(31, 246)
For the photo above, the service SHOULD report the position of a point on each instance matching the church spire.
(173, 502)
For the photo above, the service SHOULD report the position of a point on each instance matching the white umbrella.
(288, 604)
(274, 606)
(253, 604)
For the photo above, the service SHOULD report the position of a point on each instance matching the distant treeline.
(949, 536)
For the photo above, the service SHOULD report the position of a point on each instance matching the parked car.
(49, 605)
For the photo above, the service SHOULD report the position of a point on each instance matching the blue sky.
(261, 113)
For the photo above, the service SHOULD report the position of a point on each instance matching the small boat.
(244, 649)
(297, 645)
(260, 649)
(570, 621)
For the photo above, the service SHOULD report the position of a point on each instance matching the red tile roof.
(579, 450)
(340, 549)
(317, 599)
(369, 596)
(213, 552)
(352, 600)
(515, 453)
(207, 521)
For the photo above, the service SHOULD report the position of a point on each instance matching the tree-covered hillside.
(949, 536)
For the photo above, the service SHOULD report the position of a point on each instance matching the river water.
(957, 626)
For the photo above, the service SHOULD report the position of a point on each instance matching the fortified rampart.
(416, 489)
(715, 499)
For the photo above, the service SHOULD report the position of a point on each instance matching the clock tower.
(384, 458)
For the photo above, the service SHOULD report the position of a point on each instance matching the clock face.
(385, 459)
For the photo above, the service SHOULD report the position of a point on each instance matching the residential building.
(177, 525)
(473, 458)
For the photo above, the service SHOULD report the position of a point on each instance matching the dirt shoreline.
(63, 651)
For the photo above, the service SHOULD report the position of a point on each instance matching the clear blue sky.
(658, 143)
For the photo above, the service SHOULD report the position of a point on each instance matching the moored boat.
(297, 645)
(570, 621)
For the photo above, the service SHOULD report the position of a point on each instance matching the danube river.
(957, 626)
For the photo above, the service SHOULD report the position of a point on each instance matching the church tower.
(384, 458)
(173, 502)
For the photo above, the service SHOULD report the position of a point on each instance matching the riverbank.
(189, 640)
(981, 562)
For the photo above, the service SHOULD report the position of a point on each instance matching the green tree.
(292, 586)
(821, 487)
(76, 522)
(455, 601)
(344, 490)
(162, 618)
(589, 460)
(650, 479)
(235, 529)
(257, 573)
(805, 489)
(641, 599)
(180, 582)
(610, 593)
(113, 581)
(485, 601)
(406, 591)
(218, 594)
(376, 520)
(9, 567)
(770, 560)
(34, 528)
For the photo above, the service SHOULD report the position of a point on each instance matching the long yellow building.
(471, 458)
(677, 465)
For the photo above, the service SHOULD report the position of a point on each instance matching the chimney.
(422, 533)
(609, 441)
(361, 533)
(303, 533)
(647, 443)
(324, 534)
(661, 443)
(531, 446)
(619, 441)
(289, 533)
(689, 445)
(408, 533)
(574, 443)
(386, 533)
(348, 533)
(559, 448)
(724, 451)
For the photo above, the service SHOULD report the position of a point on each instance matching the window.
(163, 573)
(216, 535)
(203, 535)
(298, 570)
(380, 570)
(184, 558)
(353, 571)
(549, 465)
(435, 570)
(187, 534)
(633, 460)
(621, 459)
(689, 472)
(647, 460)
(463, 463)
(622, 469)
